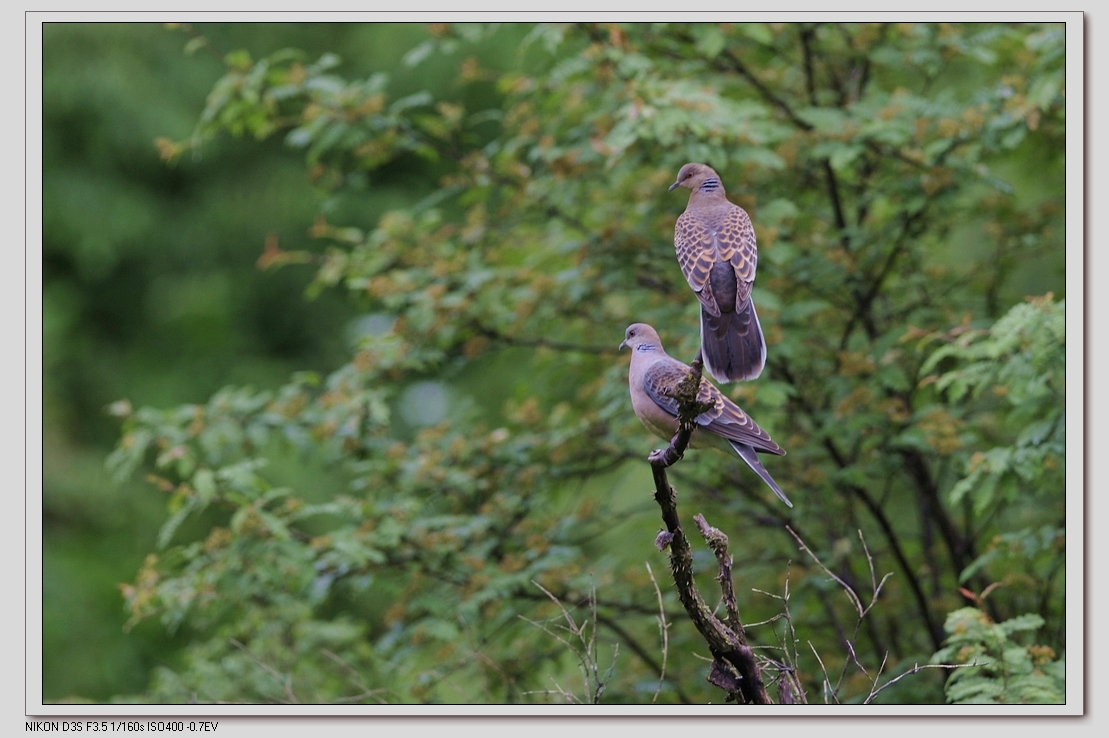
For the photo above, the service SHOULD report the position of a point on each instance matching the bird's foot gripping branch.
(689, 409)
(734, 668)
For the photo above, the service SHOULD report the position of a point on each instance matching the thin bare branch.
(916, 668)
(366, 691)
(587, 653)
(664, 630)
(854, 660)
(285, 680)
(827, 682)
(850, 592)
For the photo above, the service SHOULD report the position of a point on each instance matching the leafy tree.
(1015, 375)
(1000, 670)
(1016, 371)
(146, 294)
(497, 489)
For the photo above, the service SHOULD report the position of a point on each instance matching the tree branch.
(734, 668)
(494, 335)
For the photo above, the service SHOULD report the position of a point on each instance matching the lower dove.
(653, 378)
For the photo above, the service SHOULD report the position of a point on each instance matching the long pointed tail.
(732, 345)
(748, 454)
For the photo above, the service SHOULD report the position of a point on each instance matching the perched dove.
(653, 378)
(715, 243)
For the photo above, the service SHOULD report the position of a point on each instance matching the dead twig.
(285, 680)
(916, 668)
(664, 631)
(366, 691)
(586, 652)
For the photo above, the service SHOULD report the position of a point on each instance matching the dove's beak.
(622, 344)
(676, 184)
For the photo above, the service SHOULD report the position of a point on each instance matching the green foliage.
(150, 291)
(999, 670)
(1016, 374)
(1022, 361)
(865, 156)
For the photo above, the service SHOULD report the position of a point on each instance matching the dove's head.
(641, 337)
(692, 176)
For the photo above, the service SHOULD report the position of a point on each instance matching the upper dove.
(715, 244)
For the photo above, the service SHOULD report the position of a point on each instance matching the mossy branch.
(734, 668)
